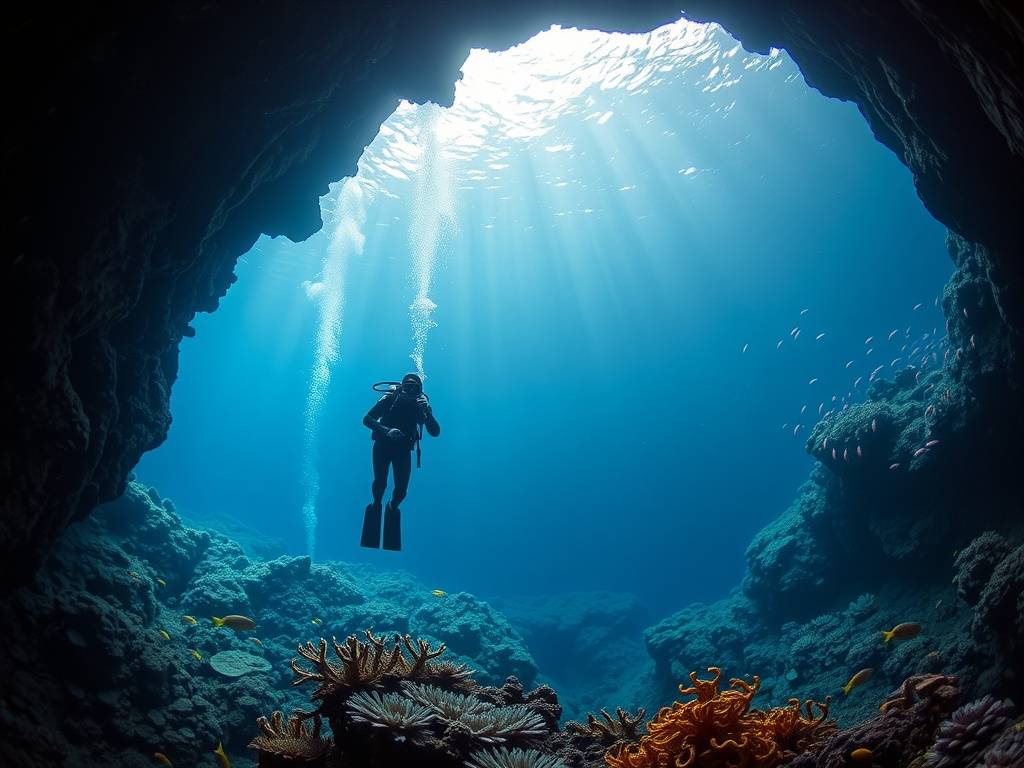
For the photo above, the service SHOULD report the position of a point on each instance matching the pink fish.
(895, 465)
(874, 425)
(860, 453)
(931, 443)
(920, 451)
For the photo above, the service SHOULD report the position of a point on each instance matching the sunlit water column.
(433, 218)
(346, 241)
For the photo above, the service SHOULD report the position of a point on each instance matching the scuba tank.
(392, 388)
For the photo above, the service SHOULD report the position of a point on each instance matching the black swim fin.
(371, 527)
(392, 528)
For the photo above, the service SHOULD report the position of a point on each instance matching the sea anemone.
(1008, 751)
(389, 710)
(449, 705)
(495, 724)
(513, 758)
(968, 731)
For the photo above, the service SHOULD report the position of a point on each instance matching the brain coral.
(238, 663)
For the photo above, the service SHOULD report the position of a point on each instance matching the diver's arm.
(427, 418)
(372, 417)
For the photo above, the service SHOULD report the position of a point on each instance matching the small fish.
(779, 345)
(821, 407)
(163, 759)
(812, 381)
(315, 621)
(869, 339)
(256, 640)
(932, 443)
(797, 336)
(895, 331)
(861, 755)
(870, 350)
(918, 306)
(858, 679)
(894, 465)
(164, 634)
(846, 454)
(938, 604)
(920, 452)
(819, 337)
(929, 410)
(803, 312)
(856, 382)
(197, 654)
(973, 345)
(222, 756)
(796, 429)
(802, 410)
(135, 575)
(745, 347)
(234, 622)
(860, 453)
(438, 592)
(849, 364)
(905, 631)
(161, 582)
(834, 456)
(189, 619)
(965, 313)
(874, 425)
(794, 332)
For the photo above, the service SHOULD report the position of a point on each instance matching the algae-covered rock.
(238, 663)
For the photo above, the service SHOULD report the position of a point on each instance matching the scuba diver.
(396, 421)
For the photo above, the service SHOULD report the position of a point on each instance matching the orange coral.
(719, 730)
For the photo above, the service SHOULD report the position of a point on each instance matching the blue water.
(577, 254)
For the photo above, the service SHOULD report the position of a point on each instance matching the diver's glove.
(424, 405)
(396, 434)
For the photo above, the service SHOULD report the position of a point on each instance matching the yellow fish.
(438, 592)
(858, 679)
(905, 631)
(161, 582)
(233, 622)
(163, 759)
(316, 621)
(189, 619)
(256, 640)
(222, 756)
(164, 635)
(197, 654)
(134, 575)
(861, 755)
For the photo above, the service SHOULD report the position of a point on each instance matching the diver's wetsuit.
(396, 410)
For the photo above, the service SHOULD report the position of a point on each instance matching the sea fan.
(968, 731)
(447, 704)
(503, 724)
(389, 710)
(513, 758)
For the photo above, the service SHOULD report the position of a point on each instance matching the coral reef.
(84, 647)
(719, 728)
(513, 758)
(967, 732)
(609, 731)
(289, 743)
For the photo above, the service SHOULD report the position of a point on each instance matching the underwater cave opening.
(633, 269)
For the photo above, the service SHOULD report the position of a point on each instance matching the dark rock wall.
(150, 148)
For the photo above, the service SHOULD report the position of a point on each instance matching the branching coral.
(720, 729)
(294, 740)
(513, 758)
(607, 730)
(361, 665)
(389, 710)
